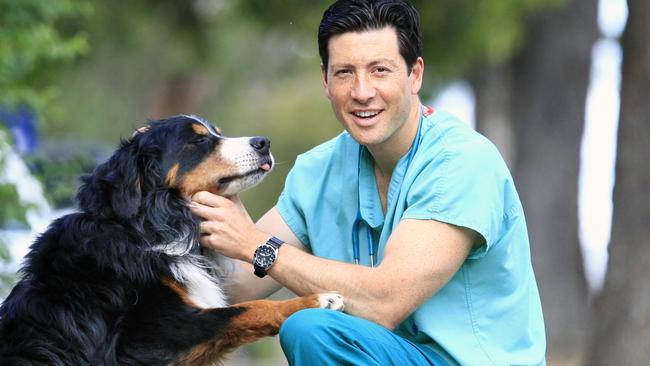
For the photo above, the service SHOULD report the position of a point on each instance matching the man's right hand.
(227, 228)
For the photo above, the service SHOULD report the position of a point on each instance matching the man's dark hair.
(361, 15)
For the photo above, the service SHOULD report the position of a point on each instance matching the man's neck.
(387, 154)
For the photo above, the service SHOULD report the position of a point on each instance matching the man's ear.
(417, 74)
(323, 70)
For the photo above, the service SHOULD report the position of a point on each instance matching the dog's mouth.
(265, 167)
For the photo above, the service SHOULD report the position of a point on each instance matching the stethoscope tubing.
(358, 220)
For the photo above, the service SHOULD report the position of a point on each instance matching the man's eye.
(342, 72)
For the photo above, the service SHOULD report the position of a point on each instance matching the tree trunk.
(550, 82)
(492, 87)
(621, 333)
(179, 93)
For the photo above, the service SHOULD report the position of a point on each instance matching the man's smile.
(366, 114)
(366, 117)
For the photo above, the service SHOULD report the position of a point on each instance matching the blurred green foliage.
(59, 175)
(11, 209)
(458, 35)
(36, 38)
(7, 279)
(461, 35)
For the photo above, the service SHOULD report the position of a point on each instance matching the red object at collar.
(427, 111)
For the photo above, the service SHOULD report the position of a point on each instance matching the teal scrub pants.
(319, 337)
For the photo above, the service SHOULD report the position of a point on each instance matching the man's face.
(368, 83)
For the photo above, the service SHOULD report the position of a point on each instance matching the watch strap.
(259, 271)
(274, 242)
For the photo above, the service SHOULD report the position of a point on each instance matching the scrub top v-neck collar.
(370, 203)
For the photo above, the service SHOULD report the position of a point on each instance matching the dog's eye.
(201, 141)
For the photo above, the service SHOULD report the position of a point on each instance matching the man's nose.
(261, 144)
(363, 89)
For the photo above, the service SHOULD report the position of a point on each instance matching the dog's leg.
(264, 317)
(254, 320)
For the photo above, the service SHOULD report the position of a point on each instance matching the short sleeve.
(312, 189)
(462, 186)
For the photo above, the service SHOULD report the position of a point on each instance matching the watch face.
(265, 256)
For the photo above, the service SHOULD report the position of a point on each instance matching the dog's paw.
(331, 301)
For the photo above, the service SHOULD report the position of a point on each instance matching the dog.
(124, 281)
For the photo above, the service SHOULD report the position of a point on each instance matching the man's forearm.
(243, 285)
(305, 274)
(363, 289)
(366, 294)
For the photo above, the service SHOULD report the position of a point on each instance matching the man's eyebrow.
(370, 64)
(383, 60)
(340, 66)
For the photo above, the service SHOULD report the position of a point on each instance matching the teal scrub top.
(489, 313)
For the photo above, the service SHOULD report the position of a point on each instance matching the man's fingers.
(203, 211)
(207, 228)
(203, 228)
(209, 199)
(204, 241)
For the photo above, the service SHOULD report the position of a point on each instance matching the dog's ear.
(124, 180)
(114, 187)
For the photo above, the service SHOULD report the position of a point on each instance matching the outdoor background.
(562, 87)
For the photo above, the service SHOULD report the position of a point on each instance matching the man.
(452, 282)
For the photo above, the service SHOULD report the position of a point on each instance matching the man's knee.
(311, 327)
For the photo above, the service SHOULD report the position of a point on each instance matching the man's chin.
(366, 138)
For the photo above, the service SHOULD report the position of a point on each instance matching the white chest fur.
(203, 289)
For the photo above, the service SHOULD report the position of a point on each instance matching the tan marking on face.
(200, 129)
(205, 176)
(172, 175)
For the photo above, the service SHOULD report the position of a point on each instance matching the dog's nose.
(261, 144)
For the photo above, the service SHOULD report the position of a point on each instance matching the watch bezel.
(274, 245)
(257, 259)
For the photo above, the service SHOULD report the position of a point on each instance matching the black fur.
(90, 291)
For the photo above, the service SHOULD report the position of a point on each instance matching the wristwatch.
(265, 255)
